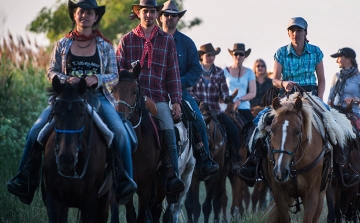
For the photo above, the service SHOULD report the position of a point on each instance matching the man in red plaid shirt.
(159, 77)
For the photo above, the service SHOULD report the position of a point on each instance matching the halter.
(132, 108)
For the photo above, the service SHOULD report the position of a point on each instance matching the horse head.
(69, 113)
(127, 92)
(285, 137)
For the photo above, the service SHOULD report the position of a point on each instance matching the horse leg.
(130, 211)
(220, 188)
(255, 196)
(144, 194)
(224, 201)
(210, 186)
(156, 209)
(282, 201)
(195, 184)
(237, 208)
(330, 200)
(189, 205)
(312, 205)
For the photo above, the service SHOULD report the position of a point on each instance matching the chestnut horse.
(76, 171)
(216, 185)
(344, 201)
(295, 161)
(131, 103)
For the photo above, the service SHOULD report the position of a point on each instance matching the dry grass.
(22, 52)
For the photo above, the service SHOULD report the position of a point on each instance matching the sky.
(259, 24)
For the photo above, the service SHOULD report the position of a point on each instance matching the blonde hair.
(259, 61)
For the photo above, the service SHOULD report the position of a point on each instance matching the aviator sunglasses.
(239, 54)
(172, 15)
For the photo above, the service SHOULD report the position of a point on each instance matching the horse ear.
(56, 84)
(276, 103)
(82, 86)
(298, 104)
(137, 70)
(349, 107)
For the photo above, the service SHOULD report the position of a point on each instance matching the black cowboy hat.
(170, 7)
(86, 4)
(145, 4)
(239, 48)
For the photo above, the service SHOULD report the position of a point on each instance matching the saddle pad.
(108, 135)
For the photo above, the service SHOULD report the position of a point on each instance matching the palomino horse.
(344, 201)
(216, 185)
(131, 103)
(75, 172)
(295, 160)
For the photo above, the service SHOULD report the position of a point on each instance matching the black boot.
(125, 186)
(26, 181)
(248, 171)
(173, 185)
(208, 166)
(340, 159)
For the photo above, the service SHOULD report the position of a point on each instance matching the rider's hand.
(91, 80)
(176, 111)
(288, 85)
(73, 80)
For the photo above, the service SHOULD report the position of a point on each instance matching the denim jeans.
(121, 138)
(199, 122)
(33, 134)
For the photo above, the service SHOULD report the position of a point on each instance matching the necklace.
(77, 43)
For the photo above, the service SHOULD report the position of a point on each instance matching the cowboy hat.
(170, 7)
(239, 48)
(86, 4)
(208, 49)
(145, 4)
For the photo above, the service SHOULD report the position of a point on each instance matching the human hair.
(353, 62)
(259, 61)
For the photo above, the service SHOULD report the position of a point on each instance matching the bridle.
(133, 107)
(72, 131)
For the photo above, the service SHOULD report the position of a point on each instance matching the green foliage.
(55, 21)
(22, 98)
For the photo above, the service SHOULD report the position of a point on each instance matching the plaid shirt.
(212, 93)
(300, 69)
(162, 79)
(108, 76)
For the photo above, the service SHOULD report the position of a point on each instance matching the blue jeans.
(116, 125)
(199, 122)
(33, 134)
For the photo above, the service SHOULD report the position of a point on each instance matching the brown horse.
(75, 170)
(131, 102)
(295, 161)
(344, 201)
(215, 186)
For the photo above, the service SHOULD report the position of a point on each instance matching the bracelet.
(282, 84)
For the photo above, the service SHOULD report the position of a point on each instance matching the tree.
(55, 22)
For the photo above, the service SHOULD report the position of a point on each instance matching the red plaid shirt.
(212, 93)
(162, 79)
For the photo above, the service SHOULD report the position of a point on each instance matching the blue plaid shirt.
(300, 69)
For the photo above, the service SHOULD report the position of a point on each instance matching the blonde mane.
(306, 113)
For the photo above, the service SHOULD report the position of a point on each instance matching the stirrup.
(351, 184)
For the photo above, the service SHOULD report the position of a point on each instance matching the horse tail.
(271, 214)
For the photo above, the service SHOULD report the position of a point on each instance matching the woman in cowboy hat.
(211, 88)
(242, 78)
(84, 44)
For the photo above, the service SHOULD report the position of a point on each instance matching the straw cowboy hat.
(144, 4)
(208, 49)
(170, 7)
(240, 48)
(86, 4)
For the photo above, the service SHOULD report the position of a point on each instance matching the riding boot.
(340, 159)
(208, 166)
(125, 186)
(26, 181)
(173, 185)
(247, 172)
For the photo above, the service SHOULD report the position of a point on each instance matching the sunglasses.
(172, 15)
(260, 66)
(239, 54)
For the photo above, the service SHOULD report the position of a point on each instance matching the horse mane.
(306, 112)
